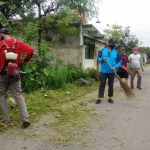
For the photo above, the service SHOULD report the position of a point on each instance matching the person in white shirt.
(136, 66)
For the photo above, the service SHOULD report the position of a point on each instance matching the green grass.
(146, 65)
(65, 105)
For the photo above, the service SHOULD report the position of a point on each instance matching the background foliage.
(122, 36)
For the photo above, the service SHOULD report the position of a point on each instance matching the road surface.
(124, 125)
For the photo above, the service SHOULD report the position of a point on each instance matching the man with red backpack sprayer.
(10, 53)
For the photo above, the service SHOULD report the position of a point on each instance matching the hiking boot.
(110, 101)
(139, 87)
(98, 101)
(25, 124)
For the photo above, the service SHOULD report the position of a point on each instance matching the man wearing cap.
(122, 73)
(110, 60)
(136, 65)
(12, 82)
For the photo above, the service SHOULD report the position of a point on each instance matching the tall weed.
(50, 76)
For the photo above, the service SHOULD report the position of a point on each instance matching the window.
(89, 50)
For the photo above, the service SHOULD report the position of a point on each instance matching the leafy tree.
(4, 22)
(11, 8)
(59, 6)
(146, 49)
(114, 31)
(55, 27)
(90, 7)
(8, 10)
(122, 36)
(56, 8)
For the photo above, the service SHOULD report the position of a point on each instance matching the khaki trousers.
(15, 89)
(139, 76)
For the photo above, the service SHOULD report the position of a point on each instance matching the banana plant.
(4, 22)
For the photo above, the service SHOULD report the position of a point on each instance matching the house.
(81, 49)
(144, 55)
(148, 60)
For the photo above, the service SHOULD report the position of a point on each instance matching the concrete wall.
(89, 63)
(68, 50)
(144, 55)
(67, 42)
(69, 55)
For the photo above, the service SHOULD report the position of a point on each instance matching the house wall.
(68, 55)
(92, 63)
(67, 42)
(144, 55)
(89, 63)
(145, 58)
(99, 47)
(68, 50)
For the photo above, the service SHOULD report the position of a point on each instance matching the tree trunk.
(40, 29)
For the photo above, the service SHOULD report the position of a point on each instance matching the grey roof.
(101, 41)
(89, 28)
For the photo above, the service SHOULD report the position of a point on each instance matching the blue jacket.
(113, 57)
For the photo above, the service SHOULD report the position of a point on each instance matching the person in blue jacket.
(110, 60)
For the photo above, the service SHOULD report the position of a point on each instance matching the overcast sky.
(133, 13)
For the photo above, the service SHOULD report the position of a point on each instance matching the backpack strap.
(7, 47)
(14, 44)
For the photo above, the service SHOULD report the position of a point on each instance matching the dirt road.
(124, 125)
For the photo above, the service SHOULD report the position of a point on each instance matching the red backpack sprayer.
(11, 68)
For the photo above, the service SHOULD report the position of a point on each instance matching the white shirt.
(135, 61)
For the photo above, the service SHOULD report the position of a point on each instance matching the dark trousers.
(103, 79)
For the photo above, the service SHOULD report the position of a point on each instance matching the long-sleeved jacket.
(20, 48)
(113, 57)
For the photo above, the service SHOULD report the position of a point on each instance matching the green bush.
(53, 76)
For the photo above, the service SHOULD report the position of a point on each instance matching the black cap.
(4, 31)
(112, 40)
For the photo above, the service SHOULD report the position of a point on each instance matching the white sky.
(133, 13)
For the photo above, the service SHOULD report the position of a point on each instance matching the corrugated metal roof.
(92, 31)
